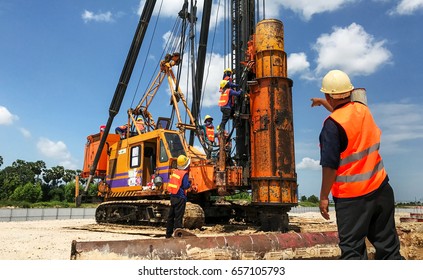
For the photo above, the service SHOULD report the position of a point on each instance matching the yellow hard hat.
(208, 117)
(223, 83)
(183, 162)
(227, 70)
(337, 84)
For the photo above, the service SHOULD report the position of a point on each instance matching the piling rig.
(133, 172)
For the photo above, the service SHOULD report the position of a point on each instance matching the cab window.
(135, 156)
(175, 144)
(163, 154)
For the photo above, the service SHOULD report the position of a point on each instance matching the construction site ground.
(51, 239)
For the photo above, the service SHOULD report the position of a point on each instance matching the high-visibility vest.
(210, 133)
(224, 97)
(361, 169)
(228, 78)
(140, 125)
(175, 181)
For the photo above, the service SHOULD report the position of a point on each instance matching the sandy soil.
(51, 240)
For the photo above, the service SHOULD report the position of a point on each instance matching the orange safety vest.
(210, 133)
(228, 78)
(140, 125)
(224, 97)
(175, 181)
(361, 169)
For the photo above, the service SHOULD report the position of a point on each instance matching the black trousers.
(370, 216)
(227, 113)
(176, 214)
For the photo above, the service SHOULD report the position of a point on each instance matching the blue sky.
(60, 62)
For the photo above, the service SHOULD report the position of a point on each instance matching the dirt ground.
(51, 240)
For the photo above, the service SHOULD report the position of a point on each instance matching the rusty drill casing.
(312, 245)
(273, 175)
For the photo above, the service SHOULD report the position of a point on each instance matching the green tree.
(53, 176)
(57, 194)
(53, 183)
(303, 198)
(70, 192)
(20, 173)
(70, 175)
(29, 192)
(313, 199)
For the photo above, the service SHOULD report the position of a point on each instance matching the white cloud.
(25, 132)
(298, 64)
(351, 49)
(407, 7)
(57, 151)
(100, 17)
(7, 118)
(213, 73)
(309, 163)
(307, 8)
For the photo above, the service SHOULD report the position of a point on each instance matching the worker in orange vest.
(226, 102)
(352, 169)
(178, 186)
(208, 130)
(122, 130)
(139, 123)
(227, 75)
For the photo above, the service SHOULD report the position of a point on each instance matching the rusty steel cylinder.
(273, 175)
(312, 245)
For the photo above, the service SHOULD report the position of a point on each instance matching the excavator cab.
(135, 162)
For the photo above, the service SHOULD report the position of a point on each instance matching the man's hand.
(194, 188)
(328, 178)
(324, 208)
(316, 101)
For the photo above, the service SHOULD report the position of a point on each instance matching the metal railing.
(36, 214)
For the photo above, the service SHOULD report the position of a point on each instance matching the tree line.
(33, 182)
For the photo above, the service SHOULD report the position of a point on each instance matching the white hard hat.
(337, 84)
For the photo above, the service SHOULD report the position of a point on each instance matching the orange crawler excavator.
(133, 171)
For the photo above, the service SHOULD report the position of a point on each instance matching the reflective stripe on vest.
(175, 181)
(224, 98)
(361, 169)
(210, 133)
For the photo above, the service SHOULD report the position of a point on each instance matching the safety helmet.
(223, 83)
(227, 70)
(183, 162)
(337, 84)
(208, 117)
(139, 119)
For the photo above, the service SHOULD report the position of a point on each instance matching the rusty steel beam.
(313, 245)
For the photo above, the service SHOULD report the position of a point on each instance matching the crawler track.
(146, 212)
